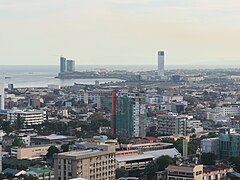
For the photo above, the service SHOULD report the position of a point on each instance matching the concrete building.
(89, 164)
(43, 173)
(172, 125)
(62, 64)
(140, 161)
(29, 152)
(161, 63)
(195, 172)
(70, 65)
(210, 145)
(2, 97)
(53, 86)
(232, 110)
(52, 139)
(217, 172)
(24, 139)
(143, 147)
(30, 117)
(189, 172)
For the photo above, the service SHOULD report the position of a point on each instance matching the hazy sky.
(119, 31)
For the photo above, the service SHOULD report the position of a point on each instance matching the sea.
(42, 76)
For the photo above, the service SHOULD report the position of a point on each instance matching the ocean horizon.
(43, 75)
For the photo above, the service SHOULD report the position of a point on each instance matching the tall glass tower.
(62, 64)
(160, 63)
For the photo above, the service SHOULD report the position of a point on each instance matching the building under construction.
(128, 115)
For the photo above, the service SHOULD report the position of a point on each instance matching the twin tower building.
(66, 65)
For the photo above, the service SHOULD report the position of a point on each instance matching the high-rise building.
(2, 97)
(229, 145)
(129, 115)
(160, 63)
(62, 64)
(70, 65)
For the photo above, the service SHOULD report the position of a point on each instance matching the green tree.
(158, 165)
(208, 159)
(18, 123)
(97, 120)
(16, 142)
(6, 126)
(235, 161)
(52, 150)
(65, 147)
(121, 172)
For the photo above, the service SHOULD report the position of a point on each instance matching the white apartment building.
(172, 125)
(231, 110)
(30, 117)
(138, 118)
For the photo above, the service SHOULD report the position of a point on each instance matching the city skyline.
(120, 32)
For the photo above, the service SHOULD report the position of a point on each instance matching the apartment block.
(92, 164)
(30, 117)
(172, 125)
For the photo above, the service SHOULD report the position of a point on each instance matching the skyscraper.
(62, 64)
(70, 65)
(129, 115)
(2, 97)
(160, 63)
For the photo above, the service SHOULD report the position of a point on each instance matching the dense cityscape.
(150, 125)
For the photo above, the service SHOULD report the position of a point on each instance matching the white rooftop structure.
(51, 137)
(149, 154)
(80, 153)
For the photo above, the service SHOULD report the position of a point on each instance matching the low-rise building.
(52, 139)
(140, 161)
(43, 173)
(216, 172)
(189, 172)
(29, 152)
(195, 172)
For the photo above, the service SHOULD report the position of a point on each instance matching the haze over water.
(41, 76)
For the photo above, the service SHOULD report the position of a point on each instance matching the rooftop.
(39, 170)
(80, 153)
(135, 157)
(52, 137)
(216, 168)
(149, 154)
